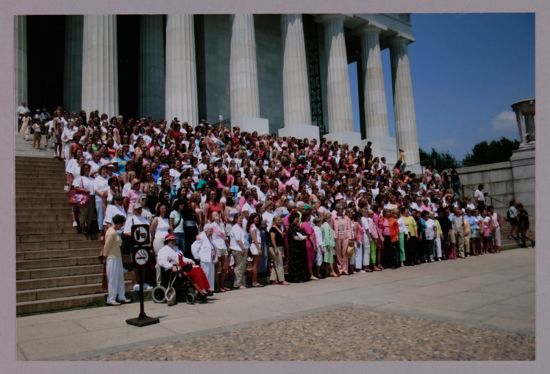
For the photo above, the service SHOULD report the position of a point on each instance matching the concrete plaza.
(494, 292)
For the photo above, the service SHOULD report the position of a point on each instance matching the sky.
(467, 70)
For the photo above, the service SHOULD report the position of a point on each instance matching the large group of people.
(240, 206)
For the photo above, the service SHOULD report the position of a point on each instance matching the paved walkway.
(492, 292)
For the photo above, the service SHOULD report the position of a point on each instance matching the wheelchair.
(175, 286)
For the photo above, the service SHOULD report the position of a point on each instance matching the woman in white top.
(497, 242)
(239, 251)
(255, 246)
(220, 241)
(100, 186)
(159, 229)
(205, 250)
(86, 213)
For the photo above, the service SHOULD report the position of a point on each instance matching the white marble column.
(72, 75)
(243, 76)
(151, 67)
(405, 116)
(376, 110)
(297, 111)
(181, 70)
(99, 65)
(21, 93)
(340, 116)
(374, 102)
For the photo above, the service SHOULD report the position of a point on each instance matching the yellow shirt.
(411, 225)
(112, 244)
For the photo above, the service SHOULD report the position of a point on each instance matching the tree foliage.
(439, 161)
(487, 153)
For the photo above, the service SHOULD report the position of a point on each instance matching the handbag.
(79, 197)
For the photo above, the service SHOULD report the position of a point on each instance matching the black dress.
(297, 262)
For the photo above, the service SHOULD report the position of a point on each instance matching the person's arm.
(171, 222)
(153, 229)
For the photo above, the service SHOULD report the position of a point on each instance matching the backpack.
(508, 216)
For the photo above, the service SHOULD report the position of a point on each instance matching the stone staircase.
(56, 268)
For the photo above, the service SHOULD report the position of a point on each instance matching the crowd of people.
(240, 206)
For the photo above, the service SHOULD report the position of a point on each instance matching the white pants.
(438, 247)
(158, 243)
(358, 255)
(319, 257)
(115, 279)
(209, 269)
(99, 209)
(366, 250)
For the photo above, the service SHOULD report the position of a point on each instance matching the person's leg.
(112, 286)
(366, 253)
(207, 269)
(254, 272)
(345, 262)
(402, 243)
(100, 215)
(460, 245)
(121, 289)
(358, 256)
(372, 254)
(438, 253)
(274, 276)
(339, 255)
(238, 268)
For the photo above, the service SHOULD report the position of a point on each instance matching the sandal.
(257, 285)
(284, 283)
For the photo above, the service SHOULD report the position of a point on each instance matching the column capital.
(399, 40)
(329, 18)
(369, 28)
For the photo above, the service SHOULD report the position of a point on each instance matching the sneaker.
(147, 287)
(135, 288)
(125, 301)
(113, 303)
(75, 224)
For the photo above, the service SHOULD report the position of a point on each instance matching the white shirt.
(237, 234)
(134, 220)
(168, 256)
(268, 218)
(113, 210)
(85, 183)
(430, 229)
(479, 196)
(100, 185)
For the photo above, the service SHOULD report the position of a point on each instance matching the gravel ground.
(342, 334)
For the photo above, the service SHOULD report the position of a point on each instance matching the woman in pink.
(311, 243)
(342, 235)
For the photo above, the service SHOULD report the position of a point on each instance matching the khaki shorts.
(222, 252)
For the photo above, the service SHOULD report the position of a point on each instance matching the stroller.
(176, 286)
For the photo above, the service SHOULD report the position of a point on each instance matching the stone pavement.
(24, 148)
(491, 295)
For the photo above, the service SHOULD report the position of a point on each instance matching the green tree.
(440, 161)
(488, 153)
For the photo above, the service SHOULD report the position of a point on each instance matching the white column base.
(384, 146)
(300, 132)
(251, 124)
(351, 138)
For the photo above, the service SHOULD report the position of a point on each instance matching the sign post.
(141, 240)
